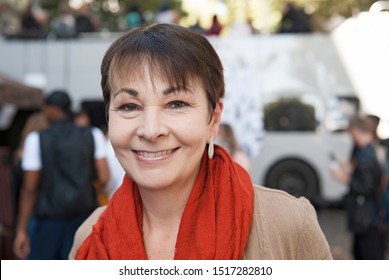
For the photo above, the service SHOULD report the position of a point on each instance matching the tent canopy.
(19, 94)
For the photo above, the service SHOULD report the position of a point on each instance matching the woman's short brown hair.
(175, 53)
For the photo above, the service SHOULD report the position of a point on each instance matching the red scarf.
(215, 223)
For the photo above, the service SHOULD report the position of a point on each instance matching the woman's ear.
(216, 118)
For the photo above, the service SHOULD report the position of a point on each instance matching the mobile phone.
(333, 161)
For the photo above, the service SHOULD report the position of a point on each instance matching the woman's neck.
(160, 208)
(163, 208)
(167, 203)
(162, 212)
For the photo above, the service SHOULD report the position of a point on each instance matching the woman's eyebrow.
(175, 89)
(130, 91)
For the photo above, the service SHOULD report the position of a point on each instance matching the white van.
(308, 86)
(288, 98)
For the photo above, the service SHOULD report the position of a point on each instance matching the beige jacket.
(284, 228)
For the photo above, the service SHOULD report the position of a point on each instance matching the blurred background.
(296, 71)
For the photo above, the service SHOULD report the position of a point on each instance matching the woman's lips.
(154, 156)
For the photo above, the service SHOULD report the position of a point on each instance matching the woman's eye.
(129, 107)
(177, 104)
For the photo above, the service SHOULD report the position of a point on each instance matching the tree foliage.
(320, 10)
(109, 18)
(323, 10)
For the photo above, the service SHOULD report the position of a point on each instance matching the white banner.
(198, 270)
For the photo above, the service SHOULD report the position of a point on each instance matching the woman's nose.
(152, 126)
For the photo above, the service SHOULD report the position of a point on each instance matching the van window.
(289, 115)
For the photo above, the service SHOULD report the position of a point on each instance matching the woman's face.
(159, 132)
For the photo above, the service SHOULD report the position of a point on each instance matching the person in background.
(35, 122)
(31, 26)
(364, 177)
(378, 145)
(216, 27)
(182, 196)
(294, 20)
(167, 14)
(83, 119)
(96, 22)
(63, 25)
(60, 164)
(134, 17)
(115, 169)
(381, 149)
(83, 23)
(226, 138)
(10, 23)
(197, 27)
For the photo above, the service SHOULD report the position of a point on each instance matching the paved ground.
(333, 223)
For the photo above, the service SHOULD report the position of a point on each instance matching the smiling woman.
(181, 197)
(148, 126)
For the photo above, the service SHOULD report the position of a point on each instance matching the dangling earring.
(210, 148)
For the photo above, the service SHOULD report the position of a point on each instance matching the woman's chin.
(151, 182)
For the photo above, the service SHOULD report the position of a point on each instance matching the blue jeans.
(52, 238)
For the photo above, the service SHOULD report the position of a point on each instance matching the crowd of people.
(36, 23)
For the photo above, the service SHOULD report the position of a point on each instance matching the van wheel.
(295, 177)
